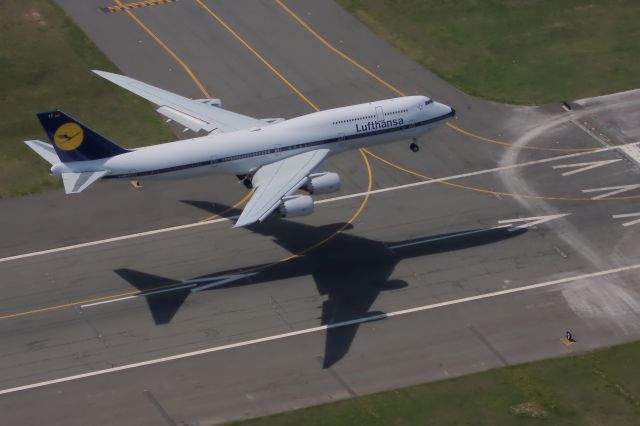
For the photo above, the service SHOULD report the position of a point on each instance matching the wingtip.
(105, 74)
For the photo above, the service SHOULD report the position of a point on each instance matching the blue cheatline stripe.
(282, 149)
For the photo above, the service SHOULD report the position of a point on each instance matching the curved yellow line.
(167, 49)
(510, 145)
(252, 50)
(239, 203)
(502, 194)
(401, 93)
(235, 206)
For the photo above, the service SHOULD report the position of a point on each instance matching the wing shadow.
(349, 270)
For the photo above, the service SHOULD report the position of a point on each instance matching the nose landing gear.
(414, 146)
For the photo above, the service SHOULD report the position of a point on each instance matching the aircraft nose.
(453, 112)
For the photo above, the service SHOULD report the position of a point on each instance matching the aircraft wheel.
(414, 147)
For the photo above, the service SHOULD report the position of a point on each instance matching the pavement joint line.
(328, 200)
(311, 330)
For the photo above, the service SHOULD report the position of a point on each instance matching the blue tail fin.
(73, 141)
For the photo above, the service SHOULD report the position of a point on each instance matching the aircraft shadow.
(349, 270)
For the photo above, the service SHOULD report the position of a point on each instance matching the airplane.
(274, 157)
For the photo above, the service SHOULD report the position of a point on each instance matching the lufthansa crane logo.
(68, 136)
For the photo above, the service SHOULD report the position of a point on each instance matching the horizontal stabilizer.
(44, 150)
(78, 182)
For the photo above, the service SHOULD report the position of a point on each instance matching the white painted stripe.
(532, 221)
(225, 279)
(621, 216)
(616, 190)
(632, 151)
(446, 237)
(114, 239)
(321, 328)
(583, 167)
(329, 200)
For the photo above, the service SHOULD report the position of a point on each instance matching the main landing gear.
(246, 180)
(414, 146)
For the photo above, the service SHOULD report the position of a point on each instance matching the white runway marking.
(531, 221)
(583, 167)
(505, 224)
(321, 328)
(218, 281)
(187, 284)
(633, 222)
(616, 190)
(343, 197)
(632, 151)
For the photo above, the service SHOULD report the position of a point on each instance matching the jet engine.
(323, 183)
(296, 205)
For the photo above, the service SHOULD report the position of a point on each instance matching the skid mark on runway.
(404, 312)
(399, 92)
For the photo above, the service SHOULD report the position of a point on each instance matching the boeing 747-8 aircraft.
(276, 157)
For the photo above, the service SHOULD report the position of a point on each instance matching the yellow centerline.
(401, 93)
(167, 49)
(239, 203)
(252, 50)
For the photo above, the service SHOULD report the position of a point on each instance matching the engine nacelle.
(323, 183)
(296, 205)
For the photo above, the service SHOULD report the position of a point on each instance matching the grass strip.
(45, 63)
(599, 388)
(516, 51)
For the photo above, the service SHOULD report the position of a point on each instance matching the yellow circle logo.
(68, 136)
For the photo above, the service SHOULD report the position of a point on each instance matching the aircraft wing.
(277, 180)
(194, 114)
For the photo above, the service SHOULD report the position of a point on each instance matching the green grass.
(45, 63)
(517, 51)
(600, 388)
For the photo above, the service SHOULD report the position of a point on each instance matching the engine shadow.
(351, 271)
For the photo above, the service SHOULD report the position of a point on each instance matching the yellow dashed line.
(401, 93)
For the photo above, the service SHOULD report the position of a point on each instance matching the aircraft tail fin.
(73, 141)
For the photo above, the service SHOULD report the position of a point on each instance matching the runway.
(424, 266)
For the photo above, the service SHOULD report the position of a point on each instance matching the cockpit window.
(428, 102)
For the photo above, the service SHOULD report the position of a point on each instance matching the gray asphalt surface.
(410, 247)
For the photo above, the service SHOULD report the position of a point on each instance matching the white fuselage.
(244, 151)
